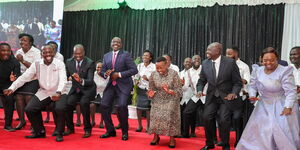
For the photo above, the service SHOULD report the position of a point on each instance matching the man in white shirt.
(190, 101)
(295, 60)
(51, 74)
(245, 75)
(58, 55)
(169, 63)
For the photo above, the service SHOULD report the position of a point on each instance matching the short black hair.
(234, 48)
(160, 59)
(28, 35)
(296, 47)
(52, 42)
(5, 44)
(269, 50)
(151, 55)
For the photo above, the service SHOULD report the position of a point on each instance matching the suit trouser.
(8, 105)
(84, 107)
(237, 121)
(189, 113)
(216, 107)
(33, 111)
(106, 104)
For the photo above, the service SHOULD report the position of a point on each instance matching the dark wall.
(181, 32)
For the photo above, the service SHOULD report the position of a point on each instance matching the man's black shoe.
(108, 134)
(59, 138)
(36, 135)
(207, 147)
(9, 129)
(125, 137)
(68, 132)
(86, 134)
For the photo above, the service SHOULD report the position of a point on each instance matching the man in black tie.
(80, 70)
(224, 84)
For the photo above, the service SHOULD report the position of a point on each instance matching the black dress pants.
(35, 106)
(215, 107)
(84, 102)
(189, 113)
(8, 105)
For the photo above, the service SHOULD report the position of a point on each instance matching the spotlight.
(122, 4)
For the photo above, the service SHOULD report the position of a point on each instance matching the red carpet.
(137, 141)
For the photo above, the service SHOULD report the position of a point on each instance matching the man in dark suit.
(224, 84)
(10, 70)
(32, 28)
(80, 70)
(118, 66)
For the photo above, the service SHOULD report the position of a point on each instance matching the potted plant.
(132, 108)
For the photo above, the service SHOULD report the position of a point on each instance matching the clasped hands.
(114, 76)
(76, 77)
(165, 88)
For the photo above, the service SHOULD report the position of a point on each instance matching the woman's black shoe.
(155, 142)
(139, 129)
(20, 126)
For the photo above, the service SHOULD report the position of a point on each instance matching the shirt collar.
(218, 60)
(41, 61)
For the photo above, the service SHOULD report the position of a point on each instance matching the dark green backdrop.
(181, 32)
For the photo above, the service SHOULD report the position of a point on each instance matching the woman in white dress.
(274, 123)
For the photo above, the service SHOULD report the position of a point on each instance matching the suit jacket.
(86, 73)
(228, 80)
(125, 65)
(282, 62)
(34, 30)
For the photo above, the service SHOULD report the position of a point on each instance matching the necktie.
(217, 94)
(214, 70)
(114, 82)
(78, 67)
(78, 70)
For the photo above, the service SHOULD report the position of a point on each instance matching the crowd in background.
(42, 31)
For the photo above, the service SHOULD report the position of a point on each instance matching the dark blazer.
(34, 30)
(86, 73)
(125, 65)
(282, 62)
(228, 80)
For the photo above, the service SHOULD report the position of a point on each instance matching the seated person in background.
(26, 55)
(101, 84)
(10, 69)
(51, 90)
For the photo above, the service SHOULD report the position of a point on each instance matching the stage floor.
(137, 141)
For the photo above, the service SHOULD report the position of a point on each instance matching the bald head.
(214, 50)
(78, 52)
